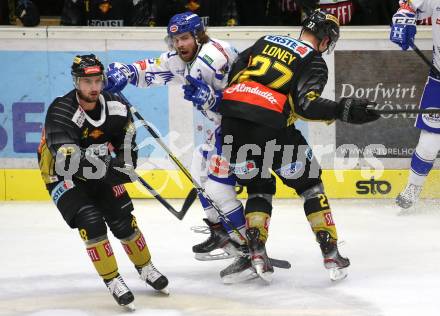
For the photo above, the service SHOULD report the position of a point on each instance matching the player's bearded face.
(89, 88)
(185, 45)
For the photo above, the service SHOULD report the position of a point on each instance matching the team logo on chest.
(96, 133)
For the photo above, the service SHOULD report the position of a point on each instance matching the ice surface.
(395, 269)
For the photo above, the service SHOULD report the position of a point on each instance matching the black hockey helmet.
(87, 66)
(323, 24)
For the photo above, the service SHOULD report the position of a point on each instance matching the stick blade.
(189, 200)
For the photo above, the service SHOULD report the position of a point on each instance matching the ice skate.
(238, 271)
(154, 278)
(120, 292)
(218, 246)
(333, 261)
(408, 198)
(257, 250)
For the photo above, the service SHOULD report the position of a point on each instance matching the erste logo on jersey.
(60, 189)
(290, 43)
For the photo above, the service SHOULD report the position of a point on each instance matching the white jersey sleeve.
(160, 71)
(425, 9)
(212, 65)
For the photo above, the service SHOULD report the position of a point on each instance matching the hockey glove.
(201, 95)
(117, 172)
(403, 28)
(118, 76)
(355, 111)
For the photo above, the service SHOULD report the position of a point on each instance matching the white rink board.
(131, 38)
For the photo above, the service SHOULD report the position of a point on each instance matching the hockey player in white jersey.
(402, 33)
(195, 60)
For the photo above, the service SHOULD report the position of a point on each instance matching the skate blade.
(242, 276)
(265, 276)
(165, 291)
(129, 307)
(213, 256)
(337, 274)
(407, 211)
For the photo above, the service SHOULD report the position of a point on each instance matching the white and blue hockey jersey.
(212, 65)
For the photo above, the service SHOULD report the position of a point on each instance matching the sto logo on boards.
(373, 186)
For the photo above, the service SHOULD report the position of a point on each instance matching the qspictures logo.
(373, 186)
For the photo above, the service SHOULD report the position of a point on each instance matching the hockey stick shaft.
(188, 201)
(284, 264)
(424, 58)
(409, 111)
(185, 171)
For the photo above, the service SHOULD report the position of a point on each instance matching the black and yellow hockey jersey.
(69, 132)
(276, 81)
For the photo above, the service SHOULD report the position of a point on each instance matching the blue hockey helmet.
(185, 22)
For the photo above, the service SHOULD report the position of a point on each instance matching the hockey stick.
(409, 111)
(186, 205)
(278, 263)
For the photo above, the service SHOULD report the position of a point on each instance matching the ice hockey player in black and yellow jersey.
(85, 156)
(276, 81)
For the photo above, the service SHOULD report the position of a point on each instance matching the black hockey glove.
(117, 171)
(355, 111)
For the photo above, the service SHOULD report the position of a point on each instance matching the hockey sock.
(225, 197)
(423, 157)
(101, 253)
(319, 215)
(236, 218)
(258, 211)
(136, 248)
(259, 220)
(211, 213)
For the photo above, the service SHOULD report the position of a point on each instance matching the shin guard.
(136, 248)
(319, 215)
(101, 254)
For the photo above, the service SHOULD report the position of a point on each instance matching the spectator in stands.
(374, 12)
(109, 13)
(25, 10)
(52, 8)
(274, 12)
(4, 12)
(215, 12)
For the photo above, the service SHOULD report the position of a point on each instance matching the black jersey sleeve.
(59, 127)
(308, 102)
(240, 63)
